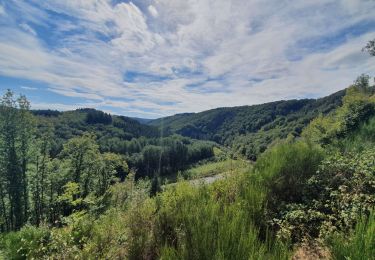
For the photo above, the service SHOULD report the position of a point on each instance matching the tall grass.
(360, 244)
(286, 168)
(216, 222)
(360, 139)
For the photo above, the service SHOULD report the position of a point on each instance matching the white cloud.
(153, 11)
(188, 55)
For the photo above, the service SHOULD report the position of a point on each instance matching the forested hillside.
(140, 145)
(250, 129)
(110, 130)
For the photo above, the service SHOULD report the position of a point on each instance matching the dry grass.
(311, 251)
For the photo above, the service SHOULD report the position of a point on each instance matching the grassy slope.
(214, 168)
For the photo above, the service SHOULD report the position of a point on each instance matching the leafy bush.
(360, 244)
(341, 190)
(28, 243)
(347, 183)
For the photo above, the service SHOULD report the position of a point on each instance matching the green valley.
(250, 129)
(289, 179)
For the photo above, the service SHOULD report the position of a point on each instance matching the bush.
(140, 230)
(340, 191)
(286, 168)
(346, 181)
(360, 139)
(28, 243)
(216, 222)
(360, 244)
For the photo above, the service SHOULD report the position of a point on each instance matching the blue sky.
(152, 58)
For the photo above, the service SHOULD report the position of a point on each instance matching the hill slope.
(250, 128)
(108, 128)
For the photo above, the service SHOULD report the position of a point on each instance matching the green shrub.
(285, 169)
(359, 244)
(341, 190)
(28, 243)
(344, 189)
(215, 222)
(140, 231)
(360, 139)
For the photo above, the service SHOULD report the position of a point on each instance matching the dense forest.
(141, 146)
(88, 185)
(250, 129)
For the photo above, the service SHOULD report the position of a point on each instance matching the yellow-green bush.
(285, 169)
(216, 222)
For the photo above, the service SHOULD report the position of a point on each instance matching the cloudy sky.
(151, 58)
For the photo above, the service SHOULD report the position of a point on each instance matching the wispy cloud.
(28, 88)
(2, 10)
(27, 28)
(159, 57)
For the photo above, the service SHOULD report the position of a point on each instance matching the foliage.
(217, 222)
(360, 244)
(223, 220)
(250, 129)
(90, 182)
(98, 117)
(81, 156)
(285, 169)
(358, 106)
(168, 155)
(39, 185)
(370, 47)
(348, 183)
(70, 199)
(16, 126)
(360, 139)
(86, 236)
(342, 188)
(29, 243)
(110, 130)
(330, 200)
